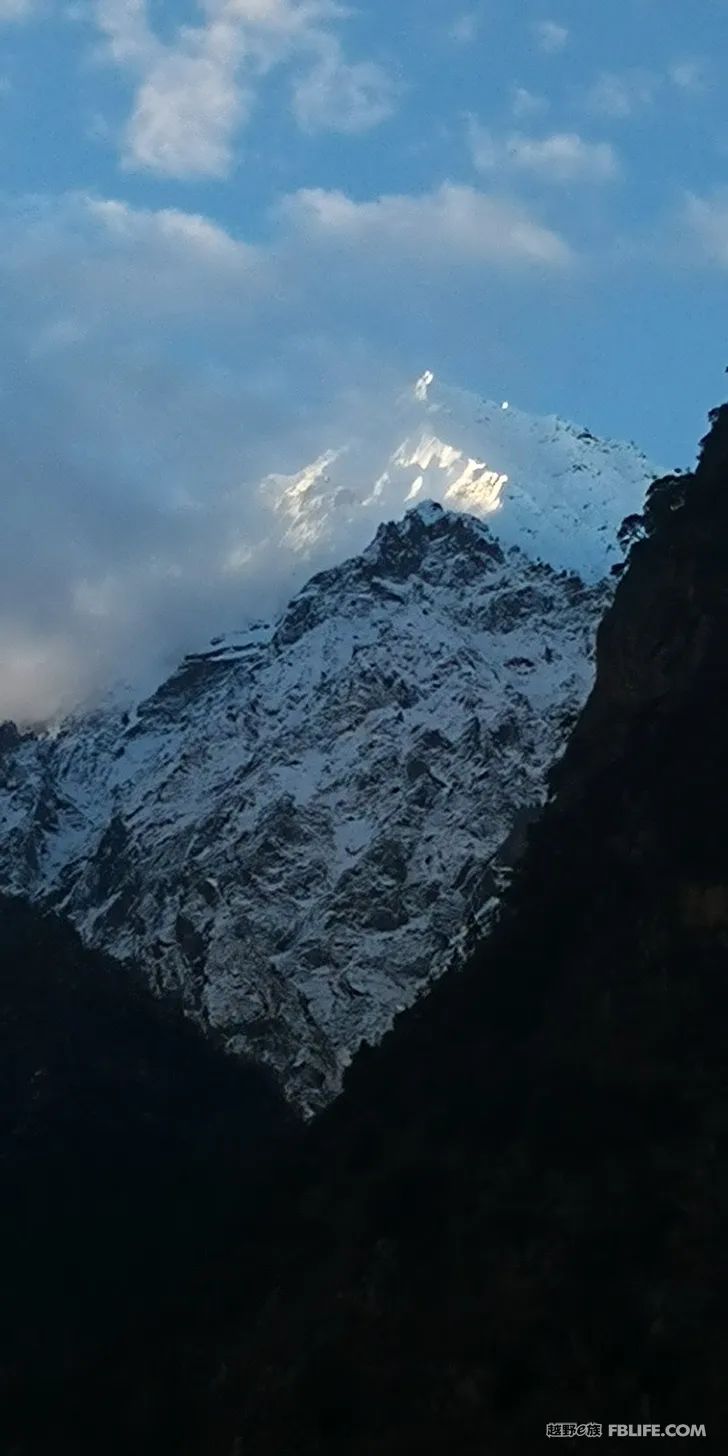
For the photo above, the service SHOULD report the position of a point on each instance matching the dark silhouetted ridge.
(127, 1140)
(517, 1211)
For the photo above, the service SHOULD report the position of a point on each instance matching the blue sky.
(229, 225)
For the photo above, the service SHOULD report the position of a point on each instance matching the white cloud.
(550, 36)
(190, 98)
(620, 96)
(337, 95)
(689, 75)
(114, 266)
(705, 221)
(195, 92)
(125, 26)
(184, 236)
(561, 157)
(126, 435)
(526, 103)
(450, 226)
(282, 17)
(187, 112)
(626, 94)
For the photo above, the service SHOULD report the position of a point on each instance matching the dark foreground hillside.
(518, 1211)
(127, 1144)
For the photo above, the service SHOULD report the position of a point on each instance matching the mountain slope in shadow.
(128, 1145)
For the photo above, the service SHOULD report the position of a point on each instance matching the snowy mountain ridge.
(291, 831)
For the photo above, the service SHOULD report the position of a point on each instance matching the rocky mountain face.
(290, 833)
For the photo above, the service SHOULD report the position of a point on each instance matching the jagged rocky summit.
(291, 832)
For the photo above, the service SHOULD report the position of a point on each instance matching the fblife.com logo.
(569, 1429)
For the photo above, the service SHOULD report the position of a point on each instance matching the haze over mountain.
(212, 562)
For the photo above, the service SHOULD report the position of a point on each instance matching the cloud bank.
(559, 157)
(156, 369)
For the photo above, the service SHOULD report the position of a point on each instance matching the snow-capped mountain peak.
(544, 484)
(292, 830)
